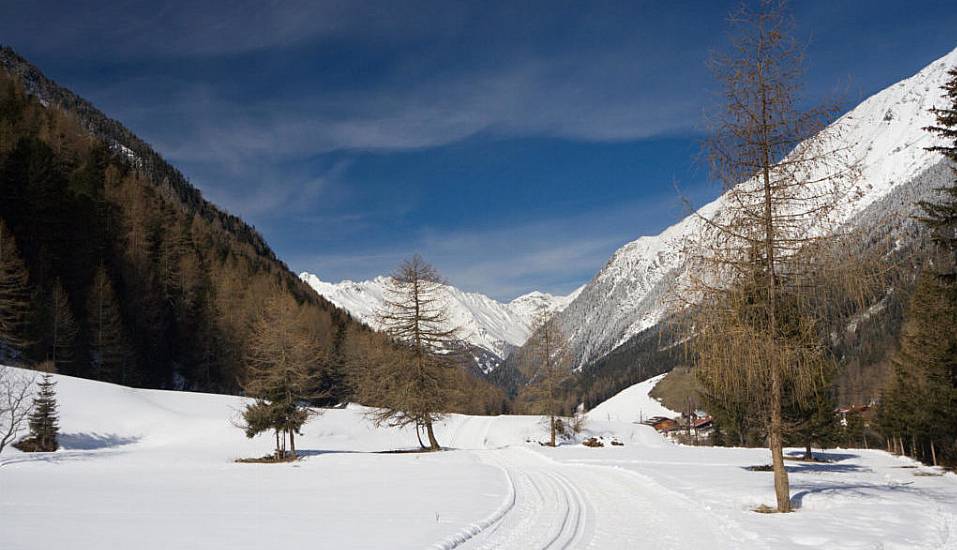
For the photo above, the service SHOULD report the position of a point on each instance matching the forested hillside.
(127, 274)
(114, 267)
(865, 348)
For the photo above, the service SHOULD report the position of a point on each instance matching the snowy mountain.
(884, 134)
(491, 325)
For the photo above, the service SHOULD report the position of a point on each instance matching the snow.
(633, 404)
(884, 134)
(496, 327)
(153, 469)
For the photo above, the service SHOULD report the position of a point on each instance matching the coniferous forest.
(114, 267)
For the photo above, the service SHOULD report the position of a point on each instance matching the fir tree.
(108, 347)
(919, 406)
(813, 420)
(941, 216)
(44, 423)
(14, 298)
(62, 328)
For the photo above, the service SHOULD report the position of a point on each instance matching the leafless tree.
(769, 269)
(549, 352)
(283, 359)
(15, 404)
(414, 381)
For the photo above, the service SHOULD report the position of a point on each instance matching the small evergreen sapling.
(44, 421)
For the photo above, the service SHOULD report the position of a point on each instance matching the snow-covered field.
(151, 469)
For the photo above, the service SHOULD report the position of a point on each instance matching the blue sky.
(515, 145)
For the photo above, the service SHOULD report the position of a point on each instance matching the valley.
(165, 466)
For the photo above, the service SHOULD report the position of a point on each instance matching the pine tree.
(919, 405)
(941, 216)
(813, 420)
(62, 328)
(14, 299)
(108, 346)
(43, 422)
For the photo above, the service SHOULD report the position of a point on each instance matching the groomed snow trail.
(555, 505)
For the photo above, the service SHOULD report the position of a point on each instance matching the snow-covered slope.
(633, 404)
(884, 134)
(496, 327)
(151, 469)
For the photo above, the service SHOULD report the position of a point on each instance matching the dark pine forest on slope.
(116, 268)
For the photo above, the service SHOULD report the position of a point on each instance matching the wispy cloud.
(522, 97)
(168, 28)
(554, 254)
(265, 104)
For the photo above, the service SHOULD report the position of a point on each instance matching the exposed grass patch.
(675, 389)
(765, 509)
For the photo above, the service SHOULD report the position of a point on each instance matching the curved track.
(555, 505)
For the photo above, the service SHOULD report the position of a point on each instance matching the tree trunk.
(433, 443)
(418, 435)
(933, 452)
(808, 455)
(292, 442)
(278, 448)
(782, 491)
(551, 421)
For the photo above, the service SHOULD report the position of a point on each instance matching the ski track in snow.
(555, 505)
(121, 481)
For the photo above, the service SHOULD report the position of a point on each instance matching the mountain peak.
(884, 133)
(484, 322)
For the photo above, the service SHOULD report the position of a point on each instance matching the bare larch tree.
(283, 359)
(764, 272)
(414, 383)
(549, 352)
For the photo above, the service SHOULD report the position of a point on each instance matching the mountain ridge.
(483, 321)
(884, 132)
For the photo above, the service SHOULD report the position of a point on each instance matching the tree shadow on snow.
(812, 467)
(93, 441)
(825, 456)
(824, 467)
(302, 453)
(859, 490)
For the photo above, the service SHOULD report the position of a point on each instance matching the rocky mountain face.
(884, 134)
(494, 329)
